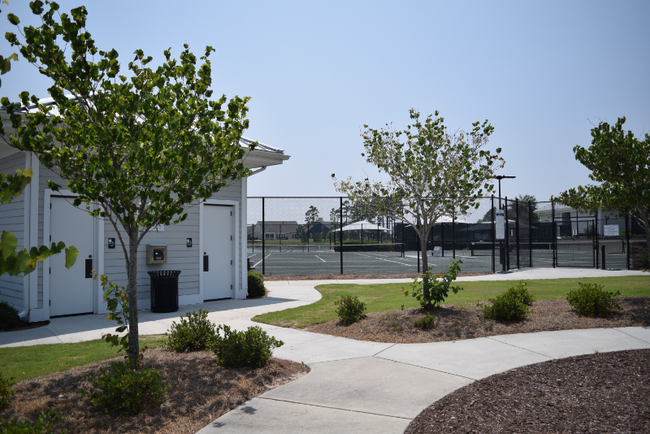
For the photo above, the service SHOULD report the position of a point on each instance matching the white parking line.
(320, 258)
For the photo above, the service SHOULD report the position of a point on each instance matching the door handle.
(89, 269)
(206, 263)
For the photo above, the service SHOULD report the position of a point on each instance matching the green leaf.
(9, 244)
(23, 261)
(13, 19)
(71, 254)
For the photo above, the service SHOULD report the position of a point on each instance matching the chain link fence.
(289, 236)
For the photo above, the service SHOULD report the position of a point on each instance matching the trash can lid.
(164, 273)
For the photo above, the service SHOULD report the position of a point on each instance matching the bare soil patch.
(200, 392)
(465, 321)
(596, 393)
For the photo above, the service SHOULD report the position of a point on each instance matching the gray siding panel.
(12, 219)
(179, 257)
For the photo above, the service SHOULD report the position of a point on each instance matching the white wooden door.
(71, 291)
(218, 251)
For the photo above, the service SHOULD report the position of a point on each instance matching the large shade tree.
(432, 172)
(620, 163)
(136, 148)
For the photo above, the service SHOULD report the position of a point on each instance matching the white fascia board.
(256, 158)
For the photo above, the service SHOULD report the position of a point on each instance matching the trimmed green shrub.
(645, 260)
(255, 285)
(44, 425)
(6, 394)
(8, 316)
(237, 349)
(195, 332)
(591, 300)
(121, 389)
(520, 291)
(432, 289)
(350, 309)
(513, 304)
(426, 322)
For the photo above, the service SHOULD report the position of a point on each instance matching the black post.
(517, 229)
(341, 232)
(627, 237)
(603, 250)
(494, 235)
(263, 239)
(596, 235)
(530, 233)
(453, 236)
(554, 238)
(442, 239)
(506, 242)
(403, 230)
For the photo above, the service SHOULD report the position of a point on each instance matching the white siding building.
(209, 247)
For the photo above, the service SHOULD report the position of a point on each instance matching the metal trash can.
(164, 290)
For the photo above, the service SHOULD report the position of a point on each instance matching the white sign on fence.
(500, 225)
(611, 230)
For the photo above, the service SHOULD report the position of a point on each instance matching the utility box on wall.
(156, 254)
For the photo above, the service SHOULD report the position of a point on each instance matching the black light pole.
(500, 177)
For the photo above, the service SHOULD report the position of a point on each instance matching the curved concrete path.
(358, 386)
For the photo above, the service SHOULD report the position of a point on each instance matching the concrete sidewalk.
(358, 386)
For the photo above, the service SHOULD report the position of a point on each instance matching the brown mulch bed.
(465, 321)
(596, 393)
(200, 392)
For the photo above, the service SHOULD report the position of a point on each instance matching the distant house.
(273, 230)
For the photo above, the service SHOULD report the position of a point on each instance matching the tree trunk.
(132, 291)
(425, 263)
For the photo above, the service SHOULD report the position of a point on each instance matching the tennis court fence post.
(263, 239)
(553, 237)
(627, 237)
(493, 237)
(517, 229)
(530, 234)
(453, 236)
(341, 231)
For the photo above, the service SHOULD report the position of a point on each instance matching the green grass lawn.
(24, 363)
(391, 296)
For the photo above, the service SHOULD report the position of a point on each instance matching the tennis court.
(328, 261)
(305, 236)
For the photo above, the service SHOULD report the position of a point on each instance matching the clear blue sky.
(543, 73)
